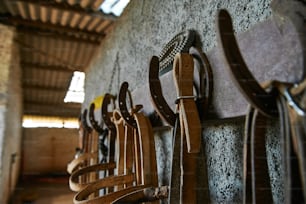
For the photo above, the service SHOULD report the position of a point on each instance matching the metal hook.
(108, 99)
(93, 121)
(159, 102)
(84, 121)
(128, 118)
(242, 77)
(203, 81)
(291, 101)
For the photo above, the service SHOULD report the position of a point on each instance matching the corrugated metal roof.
(55, 37)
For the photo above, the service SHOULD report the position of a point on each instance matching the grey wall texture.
(10, 113)
(146, 26)
(272, 50)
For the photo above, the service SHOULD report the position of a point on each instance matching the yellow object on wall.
(98, 102)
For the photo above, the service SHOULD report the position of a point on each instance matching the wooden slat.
(43, 14)
(71, 7)
(11, 7)
(44, 88)
(93, 24)
(75, 19)
(102, 26)
(21, 9)
(97, 3)
(54, 16)
(84, 22)
(59, 36)
(65, 18)
(84, 3)
(49, 56)
(71, 2)
(49, 26)
(32, 9)
(63, 105)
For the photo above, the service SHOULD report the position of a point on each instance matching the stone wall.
(10, 112)
(146, 26)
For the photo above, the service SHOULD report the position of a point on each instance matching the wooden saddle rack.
(128, 147)
(272, 100)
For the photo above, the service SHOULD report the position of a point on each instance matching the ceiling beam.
(64, 63)
(53, 113)
(46, 67)
(17, 21)
(55, 35)
(56, 110)
(44, 88)
(53, 105)
(64, 6)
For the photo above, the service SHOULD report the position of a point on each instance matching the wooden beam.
(46, 67)
(55, 35)
(18, 21)
(54, 105)
(54, 113)
(64, 6)
(48, 55)
(44, 88)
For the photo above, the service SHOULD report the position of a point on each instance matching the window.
(76, 89)
(114, 6)
(29, 121)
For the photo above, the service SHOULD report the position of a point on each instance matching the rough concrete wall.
(146, 26)
(143, 30)
(47, 150)
(11, 112)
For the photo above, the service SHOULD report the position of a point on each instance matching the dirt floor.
(43, 190)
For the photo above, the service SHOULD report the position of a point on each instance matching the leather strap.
(189, 117)
(74, 183)
(294, 140)
(143, 164)
(175, 177)
(81, 197)
(107, 118)
(204, 92)
(77, 162)
(203, 84)
(120, 143)
(256, 177)
(147, 194)
(145, 160)
(190, 126)
(285, 108)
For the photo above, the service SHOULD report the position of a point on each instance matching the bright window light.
(114, 6)
(75, 92)
(49, 122)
